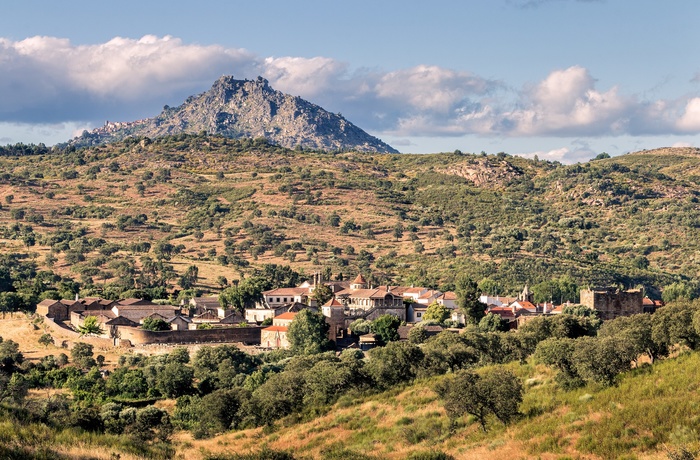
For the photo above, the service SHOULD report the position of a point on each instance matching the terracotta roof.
(287, 315)
(276, 329)
(360, 279)
(428, 294)
(333, 303)
(526, 305)
(414, 290)
(449, 295)
(503, 312)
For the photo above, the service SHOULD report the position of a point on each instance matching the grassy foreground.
(654, 413)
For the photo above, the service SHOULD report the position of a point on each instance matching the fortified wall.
(612, 302)
(247, 335)
(128, 336)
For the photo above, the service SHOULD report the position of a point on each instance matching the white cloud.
(690, 119)
(567, 103)
(48, 80)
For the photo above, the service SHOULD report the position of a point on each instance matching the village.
(202, 320)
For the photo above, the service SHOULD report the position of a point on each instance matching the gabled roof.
(176, 317)
(233, 318)
(333, 303)
(296, 307)
(360, 279)
(449, 295)
(48, 302)
(156, 315)
(121, 321)
(206, 316)
(287, 315)
(525, 305)
(366, 293)
(429, 294)
(275, 329)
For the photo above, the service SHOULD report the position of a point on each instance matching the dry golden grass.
(23, 330)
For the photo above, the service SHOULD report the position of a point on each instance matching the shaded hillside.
(247, 109)
(644, 417)
(101, 215)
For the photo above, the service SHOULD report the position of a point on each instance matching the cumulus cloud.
(48, 80)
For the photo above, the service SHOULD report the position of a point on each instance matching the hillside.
(101, 214)
(651, 412)
(644, 417)
(247, 109)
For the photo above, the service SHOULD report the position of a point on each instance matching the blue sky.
(564, 79)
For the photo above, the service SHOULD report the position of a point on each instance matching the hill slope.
(248, 109)
(230, 206)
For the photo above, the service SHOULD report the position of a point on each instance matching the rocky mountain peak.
(248, 108)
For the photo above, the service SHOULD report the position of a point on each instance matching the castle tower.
(359, 283)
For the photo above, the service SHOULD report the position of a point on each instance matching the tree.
(559, 353)
(398, 231)
(90, 326)
(155, 324)
(493, 323)
(601, 359)
(189, 278)
(498, 392)
(436, 312)
(46, 340)
(322, 294)
(387, 328)
(221, 281)
(635, 330)
(81, 354)
(151, 424)
(308, 333)
(175, 380)
(244, 295)
(677, 291)
(673, 325)
(468, 299)
(10, 356)
(417, 335)
(393, 364)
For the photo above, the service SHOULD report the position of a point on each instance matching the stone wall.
(58, 333)
(247, 335)
(612, 303)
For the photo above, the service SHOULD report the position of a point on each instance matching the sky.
(561, 79)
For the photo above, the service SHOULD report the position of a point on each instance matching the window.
(278, 300)
(419, 314)
(284, 300)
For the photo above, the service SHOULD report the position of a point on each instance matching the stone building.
(611, 302)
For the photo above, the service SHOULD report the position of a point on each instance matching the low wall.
(100, 342)
(247, 335)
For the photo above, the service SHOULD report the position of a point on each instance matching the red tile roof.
(276, 329)
(287, 315)
(360, 279)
